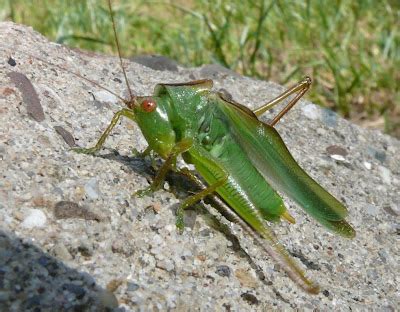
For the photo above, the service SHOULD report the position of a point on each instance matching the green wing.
(266, 149)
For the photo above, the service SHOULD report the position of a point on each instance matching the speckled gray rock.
(132, 256)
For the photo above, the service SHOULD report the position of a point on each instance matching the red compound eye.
(149, 105)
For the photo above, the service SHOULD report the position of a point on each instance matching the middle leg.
(169, 163)
(206, 191)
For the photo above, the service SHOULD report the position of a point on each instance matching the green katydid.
(242, 159)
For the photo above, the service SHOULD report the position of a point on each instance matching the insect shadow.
(182, 187)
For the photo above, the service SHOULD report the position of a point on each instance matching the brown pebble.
(66, 135)
(245, 278)
(156, 207)
(202, 257)
(336, 150)
(113, 285)
(29, 95)
(40, 201)
(71, 210)
(250, 298)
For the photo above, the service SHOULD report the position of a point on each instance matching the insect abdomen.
(245, 188)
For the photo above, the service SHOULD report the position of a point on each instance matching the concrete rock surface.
(95, 247)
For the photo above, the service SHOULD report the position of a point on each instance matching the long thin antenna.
(119, 50)
(73, 73)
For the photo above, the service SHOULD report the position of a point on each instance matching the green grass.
(350, 48)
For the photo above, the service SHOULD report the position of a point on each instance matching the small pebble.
(223, 270)
(337, 157)
(330, 118)
(131, 286)
(105, 96)
(66, 135)
(321, 132)
(377, 154)
(246, 278)
(29, 95)
(92, 188)
(71, 210)
(372, 210)
(11, 62)
(61, 252)
(113, 285)
(35, 218)
(336, 150)
(367, 165)
(385, 174)
(311, 111)
(250, 298)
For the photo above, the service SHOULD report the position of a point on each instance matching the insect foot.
(144, 192)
